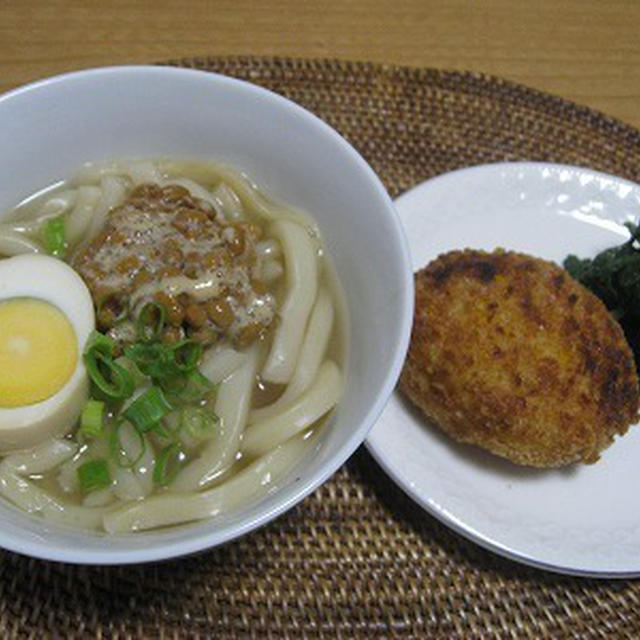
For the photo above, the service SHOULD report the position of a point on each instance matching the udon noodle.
(272, 358)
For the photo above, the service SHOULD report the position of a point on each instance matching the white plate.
(582, 520)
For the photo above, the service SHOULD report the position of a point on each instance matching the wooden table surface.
(584, 50)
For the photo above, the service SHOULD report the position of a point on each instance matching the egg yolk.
(38, 351)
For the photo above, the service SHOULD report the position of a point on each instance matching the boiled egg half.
(46, 316)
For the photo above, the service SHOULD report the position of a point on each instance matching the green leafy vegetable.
(614, 276)
(93, 475)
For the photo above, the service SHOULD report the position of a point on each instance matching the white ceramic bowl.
(48, 129)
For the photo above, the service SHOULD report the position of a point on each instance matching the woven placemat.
(358, 558)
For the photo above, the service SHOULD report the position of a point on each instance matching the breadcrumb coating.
(508, 352)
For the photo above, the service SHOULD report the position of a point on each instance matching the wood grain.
(587, 51)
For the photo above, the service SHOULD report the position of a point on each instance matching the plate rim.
(435, 510)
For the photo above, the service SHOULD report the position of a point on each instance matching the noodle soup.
(216, 357)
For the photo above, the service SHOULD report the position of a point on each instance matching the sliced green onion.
(162, 361)
(93, 475)
(147, 357)
(185, 355)
(99, 342)
(163, 432)
(54, 236)
(150, 322)
(189, 388)
(168, 463)
(111, 379)
(91, 420)
(199, 423)
(138, 377)
(172, 423)
(146, 411)
(117, 450)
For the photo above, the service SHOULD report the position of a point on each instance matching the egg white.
(53, 281)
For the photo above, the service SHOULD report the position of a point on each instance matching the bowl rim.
(297, 491)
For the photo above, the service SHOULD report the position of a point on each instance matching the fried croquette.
(508, 352)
